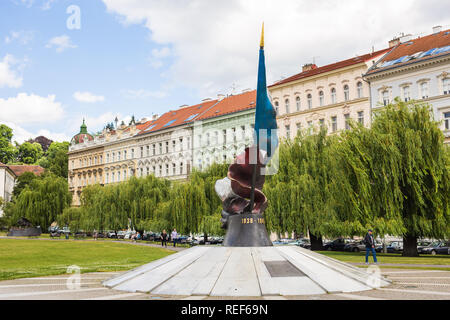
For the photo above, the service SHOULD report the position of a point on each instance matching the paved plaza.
(406, 284)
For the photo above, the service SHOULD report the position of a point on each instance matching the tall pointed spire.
(261, 44)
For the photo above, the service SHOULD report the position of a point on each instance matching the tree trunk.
(316, 242)
(410, 246)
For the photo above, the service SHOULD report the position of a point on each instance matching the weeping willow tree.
(42, 200)
(194, 205)
(423, 172)
(298, 194)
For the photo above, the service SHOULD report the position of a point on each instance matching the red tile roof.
(178, 117)
(331, 67)
(20, 169)
(231, 104)
(408, 48)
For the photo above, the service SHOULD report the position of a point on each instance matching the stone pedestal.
(247, 230)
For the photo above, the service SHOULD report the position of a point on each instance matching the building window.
(154, 150)
(132, 153)
(181, 167)
(309, 96)
(385, 95)
(167, 169)
(113, 157)
(346, 93)
(125, 155)
(406, 93)
(224, 133)
(154, 170)
(361, 117)
(321, 98)
(234, 134)
(148, 151)
(321, 122)
(107, 177)
(447, 120)
(118, 176)
(299, 126)
(167, 146)
(101, 159)
(160, 170)
(288, 131)
(125, 174)
(347, 121)
(333, 95)
(310, 127)
(446, 85)
(142, 152)
(181, 144)
(242, 132)
(118, 156)
(334, 124)
(208, 142)
(286, 103)
(173, 145)
(107, 158)
(160, 148)
(359, 89)
(297, 103)
(173, 169)
(424, 90)
(276, 107)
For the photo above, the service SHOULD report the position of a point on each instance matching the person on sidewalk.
(370, 246)
(164, 238)
(174, 236)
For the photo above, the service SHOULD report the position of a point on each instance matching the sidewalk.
(405, 265)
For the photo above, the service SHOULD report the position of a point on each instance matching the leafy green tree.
(29, 153)
(8, 152)
(42, 200)
(22, 181)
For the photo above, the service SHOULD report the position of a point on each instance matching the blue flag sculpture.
(241, 190)
(265, 116)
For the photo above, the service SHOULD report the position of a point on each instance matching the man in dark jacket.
(370, 246)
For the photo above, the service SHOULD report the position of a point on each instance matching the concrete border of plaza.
(247, 272)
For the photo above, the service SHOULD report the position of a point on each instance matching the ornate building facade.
(416, 69)
(330, 95)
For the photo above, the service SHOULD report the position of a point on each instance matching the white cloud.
(61, 43)
(87, 97)
(23, 37)
(20, 134)
(215, 43)
(8, 76)
(25, 109)
(142, 93)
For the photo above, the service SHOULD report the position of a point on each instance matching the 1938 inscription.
(252, 220)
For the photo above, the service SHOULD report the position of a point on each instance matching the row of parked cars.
(343, 244)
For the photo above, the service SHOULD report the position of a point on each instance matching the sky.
(62, 61)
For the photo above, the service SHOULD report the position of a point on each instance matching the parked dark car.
(395, 247)
(304, 243)
(422, 244)
(337, 245)
(355, 246)
(438, 247)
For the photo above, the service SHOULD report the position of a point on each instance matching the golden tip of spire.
(262, 37)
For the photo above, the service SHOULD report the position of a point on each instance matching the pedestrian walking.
(164, 238)
(370, 246)
(174, 236)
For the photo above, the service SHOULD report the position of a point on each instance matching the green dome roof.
(82, 136)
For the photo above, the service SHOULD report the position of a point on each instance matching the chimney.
(437, 29)
(405, 38)
(155, 116)
(394, 42)
(308, 66)
(220, 96)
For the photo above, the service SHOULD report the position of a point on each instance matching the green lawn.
(389, 258)
(31, 258)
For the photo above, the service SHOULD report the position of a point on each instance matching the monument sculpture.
(241, 190)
